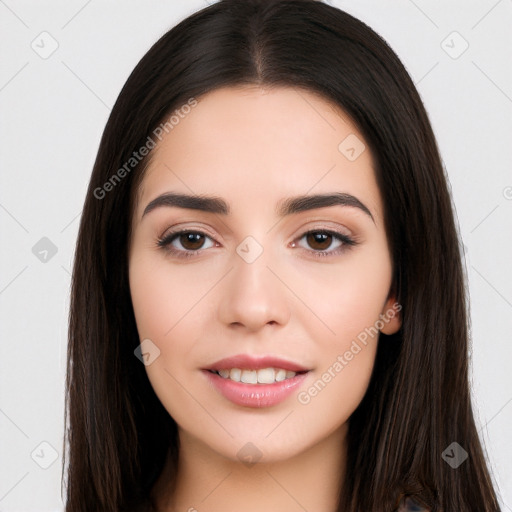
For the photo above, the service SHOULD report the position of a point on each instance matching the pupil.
(319, 239)
(192, 239)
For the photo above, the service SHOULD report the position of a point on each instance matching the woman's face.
(291, 290)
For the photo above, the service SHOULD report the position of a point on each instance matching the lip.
(255, 395)
(244, 361)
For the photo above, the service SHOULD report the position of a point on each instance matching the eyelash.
(165, 243)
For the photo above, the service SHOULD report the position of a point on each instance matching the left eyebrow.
(288, 206)
(303, 203)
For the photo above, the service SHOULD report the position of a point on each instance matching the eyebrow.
(288, 206)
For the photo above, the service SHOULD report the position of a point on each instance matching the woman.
(268, 307)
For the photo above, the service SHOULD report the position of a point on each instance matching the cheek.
(166, 312)
(336, 390)
(162, 296)
(348, 302)
(345, 300)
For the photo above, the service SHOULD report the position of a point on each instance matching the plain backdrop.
(63, 64)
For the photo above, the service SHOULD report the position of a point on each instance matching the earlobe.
(391, 316)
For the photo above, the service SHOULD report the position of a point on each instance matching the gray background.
(53, 111)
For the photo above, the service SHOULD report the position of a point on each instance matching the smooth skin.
(254, 147)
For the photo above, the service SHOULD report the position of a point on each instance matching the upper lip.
(255, 363)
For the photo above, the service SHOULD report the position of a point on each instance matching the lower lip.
(255, 395)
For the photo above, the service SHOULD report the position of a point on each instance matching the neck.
(208, 482)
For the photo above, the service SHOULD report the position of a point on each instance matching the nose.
(253, 295)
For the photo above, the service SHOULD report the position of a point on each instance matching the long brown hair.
(418, 402)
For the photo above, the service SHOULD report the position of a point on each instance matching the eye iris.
(195, 239)
(324, 239)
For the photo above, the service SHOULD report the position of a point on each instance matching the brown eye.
(185, 243)
(191, 241)
(323, 243)
(319, 241)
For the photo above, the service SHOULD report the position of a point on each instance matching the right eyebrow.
(209, 204)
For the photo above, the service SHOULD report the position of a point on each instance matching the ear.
(391, 316)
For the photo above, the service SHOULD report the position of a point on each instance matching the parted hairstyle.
(419, 399)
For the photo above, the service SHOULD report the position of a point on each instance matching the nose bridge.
(253, 295)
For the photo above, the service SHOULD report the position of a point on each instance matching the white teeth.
(263, 376)
(249, 377)
(280, 375)
(235, 374)
(266, 376)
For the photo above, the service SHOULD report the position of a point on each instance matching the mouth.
(255, 381)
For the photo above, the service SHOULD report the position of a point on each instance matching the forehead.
(248, 144)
